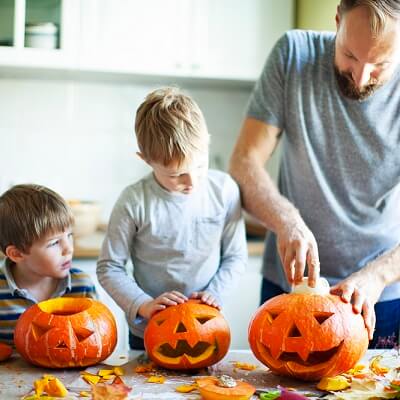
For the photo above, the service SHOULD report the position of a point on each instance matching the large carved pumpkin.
(187, 336)
(66, 332)
(307, 336)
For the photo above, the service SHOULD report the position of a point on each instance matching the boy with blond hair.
(36, 239)
(181, 225)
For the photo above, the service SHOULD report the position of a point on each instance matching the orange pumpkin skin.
(187, 336)
(5, 351)
(210, 390)
(307, 336)
(66, 332)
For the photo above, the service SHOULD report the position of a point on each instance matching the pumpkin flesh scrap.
(5, 351)
(210, 390)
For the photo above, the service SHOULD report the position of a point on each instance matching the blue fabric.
(387, 327)
(136, 342)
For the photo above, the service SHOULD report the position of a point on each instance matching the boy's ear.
(14, 254)
(141, 156)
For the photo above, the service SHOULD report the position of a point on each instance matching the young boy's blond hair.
(170, 127)
(29, 212)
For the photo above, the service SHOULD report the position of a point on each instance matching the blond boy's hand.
(206, 298)
(148, 308)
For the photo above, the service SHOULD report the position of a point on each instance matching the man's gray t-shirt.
(185, 242)
(341, 158)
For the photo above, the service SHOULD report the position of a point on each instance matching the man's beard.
(350, 90)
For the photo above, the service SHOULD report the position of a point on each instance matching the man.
(335, 101)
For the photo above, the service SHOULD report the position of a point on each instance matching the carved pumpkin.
(307, 336)
(210, 388)
(66, 332)
(187, 336)
(5, 351)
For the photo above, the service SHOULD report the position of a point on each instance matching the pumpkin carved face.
(186, 336)
(66, 332)
(307, 336)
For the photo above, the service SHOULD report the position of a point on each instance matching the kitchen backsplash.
(78, 137)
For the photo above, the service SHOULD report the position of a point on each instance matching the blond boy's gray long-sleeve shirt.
(184, 242)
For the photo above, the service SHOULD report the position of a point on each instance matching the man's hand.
(362, 289)
(148, 308)
(298, 247)
(206, 298)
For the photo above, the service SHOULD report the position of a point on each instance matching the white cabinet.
(238, 35)
(217, 39)
(207, 39)
(131, 36)
(29, 28)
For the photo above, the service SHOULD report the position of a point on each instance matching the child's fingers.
(180, 295)
(155, 308)
(195, 295)
(163, 299)
(174, 298)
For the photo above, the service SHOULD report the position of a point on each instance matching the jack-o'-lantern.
(66, 332)
(187, 336)
(308, 336)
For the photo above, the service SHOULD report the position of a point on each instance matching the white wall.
(78, 137)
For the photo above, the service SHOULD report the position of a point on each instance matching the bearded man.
(334, 101)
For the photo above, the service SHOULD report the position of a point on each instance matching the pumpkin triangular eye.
(82, 333)
(294, 332)
(39, 331)
(160, 321)
(204, 318)
(181, 328)
(273, 315)
(322, 317)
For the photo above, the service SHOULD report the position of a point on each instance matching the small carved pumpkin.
(187, 336)
(210, 388)
(66, 332)
(307, 336)
(5, 351)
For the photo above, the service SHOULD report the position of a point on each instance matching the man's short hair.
(170, 127)
(29, 212)
(380, 11)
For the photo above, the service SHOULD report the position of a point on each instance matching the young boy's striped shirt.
(14, 301)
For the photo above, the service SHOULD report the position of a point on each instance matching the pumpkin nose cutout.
(62, 345)
(294, 332)
(181, 328)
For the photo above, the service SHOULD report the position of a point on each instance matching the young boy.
(181, 225)
(36, 240)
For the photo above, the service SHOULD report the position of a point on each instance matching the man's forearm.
(387, 266)
(260, 195)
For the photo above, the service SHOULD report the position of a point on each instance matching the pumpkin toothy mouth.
(314, 357)
(183, 348)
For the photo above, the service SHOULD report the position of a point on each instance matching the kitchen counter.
(89, 246)
(17, 377)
